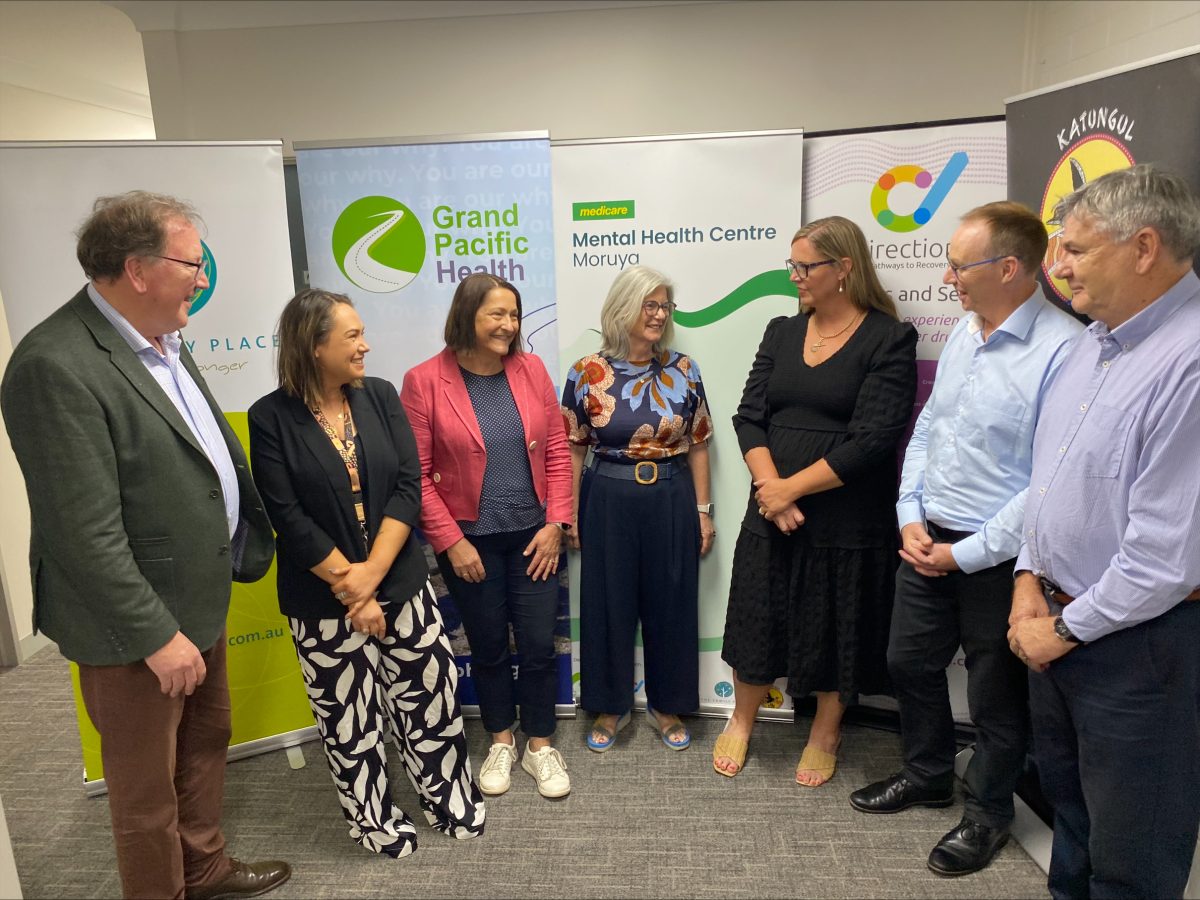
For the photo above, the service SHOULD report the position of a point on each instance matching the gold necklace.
(829, 337)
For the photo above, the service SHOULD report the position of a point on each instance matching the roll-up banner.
(46, 191)
(396, 224)
(1062, 137)
(715, 213)
(906, 188)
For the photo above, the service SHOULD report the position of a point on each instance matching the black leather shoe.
(966, 849)
(245, 880)
(896, 793)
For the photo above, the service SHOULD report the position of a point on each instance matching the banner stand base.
(237, 751)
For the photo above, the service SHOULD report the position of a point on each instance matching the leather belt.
(644, 471)
(1055, 593)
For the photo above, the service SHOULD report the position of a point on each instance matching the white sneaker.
(548, 770)
(493, 777)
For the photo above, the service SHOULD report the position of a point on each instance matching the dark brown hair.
(125, 225)
(468, 297)
(305, 324)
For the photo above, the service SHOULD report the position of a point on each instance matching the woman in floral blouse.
(643, 515)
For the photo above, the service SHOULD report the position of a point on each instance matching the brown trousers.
(164, 764)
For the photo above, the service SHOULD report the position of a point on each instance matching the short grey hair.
(125, 225)
(1143, 196)
(623, 307)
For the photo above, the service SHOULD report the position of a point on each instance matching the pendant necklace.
(829, 337)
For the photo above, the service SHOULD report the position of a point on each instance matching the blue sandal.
(676, 736)
(609, 733)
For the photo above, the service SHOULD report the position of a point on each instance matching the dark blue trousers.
(505, 595)
(1116, 730)
(640, 560)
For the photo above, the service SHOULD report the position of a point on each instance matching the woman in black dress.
(825, 406)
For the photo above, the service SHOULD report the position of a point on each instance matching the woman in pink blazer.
(495, 499)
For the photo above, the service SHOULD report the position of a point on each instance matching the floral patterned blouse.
(630, 411)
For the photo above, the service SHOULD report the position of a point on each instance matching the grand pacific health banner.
(396, 225)
(715, 214)
(46, 191)
(907, 188)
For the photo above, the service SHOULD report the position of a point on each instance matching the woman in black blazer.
(335, 461)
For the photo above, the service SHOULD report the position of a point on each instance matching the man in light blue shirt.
(962, 497)
(1105, 602)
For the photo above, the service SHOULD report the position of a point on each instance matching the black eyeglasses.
(650, 308)
(801, 270)
(196, 267)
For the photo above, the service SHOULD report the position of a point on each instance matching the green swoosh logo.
(767, 284)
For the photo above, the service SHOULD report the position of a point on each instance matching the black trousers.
(932, 617)
(640, 560)
(1116, 727)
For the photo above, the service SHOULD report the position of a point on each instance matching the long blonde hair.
(837, 237)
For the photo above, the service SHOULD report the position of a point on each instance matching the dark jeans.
(505, 595)
(1116, 726)
(640, 560)
(932, 617)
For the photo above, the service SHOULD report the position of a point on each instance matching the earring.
(841, 286)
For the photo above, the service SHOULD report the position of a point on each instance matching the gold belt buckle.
(637, 472)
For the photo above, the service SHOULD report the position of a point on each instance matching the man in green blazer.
(143, 513)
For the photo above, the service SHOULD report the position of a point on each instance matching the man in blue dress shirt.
(962, 498)
(1104, 606)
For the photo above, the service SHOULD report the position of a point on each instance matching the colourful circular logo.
(1085, 160)
(210, 268)
(774, 699)
(723, 689)
(915, 175)
(379, 244)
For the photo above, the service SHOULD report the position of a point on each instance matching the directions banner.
(716, 215)
(907, 190)
(396, 225)
(46, 191)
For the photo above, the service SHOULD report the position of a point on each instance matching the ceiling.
(209, 15)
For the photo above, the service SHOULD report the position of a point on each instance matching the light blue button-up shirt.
(968, 463)
(1114, 511)
(185, 396)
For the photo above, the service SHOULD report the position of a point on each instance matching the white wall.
(17, 640)
(1075, 39)
(715, 67)
(71, 70)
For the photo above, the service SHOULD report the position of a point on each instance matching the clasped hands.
(356, 588)
(918, 549)
(1031, 627)
(777, 503)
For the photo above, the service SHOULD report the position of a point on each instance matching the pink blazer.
(451, 448)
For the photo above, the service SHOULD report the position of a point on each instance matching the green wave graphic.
(767, 284)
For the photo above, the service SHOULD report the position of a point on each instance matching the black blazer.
(306, 491)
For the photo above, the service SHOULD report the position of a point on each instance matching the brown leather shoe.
(244, 880)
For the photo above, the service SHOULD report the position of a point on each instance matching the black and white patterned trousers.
(359, 687)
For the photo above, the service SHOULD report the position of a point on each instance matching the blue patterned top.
(508, 501)
(629, 411)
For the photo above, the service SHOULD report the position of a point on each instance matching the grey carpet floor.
(641, 821)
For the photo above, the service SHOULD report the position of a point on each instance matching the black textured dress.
(815, 605)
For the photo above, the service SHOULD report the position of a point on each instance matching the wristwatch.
(562, 526)
(706, 508)
(1064, 633)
